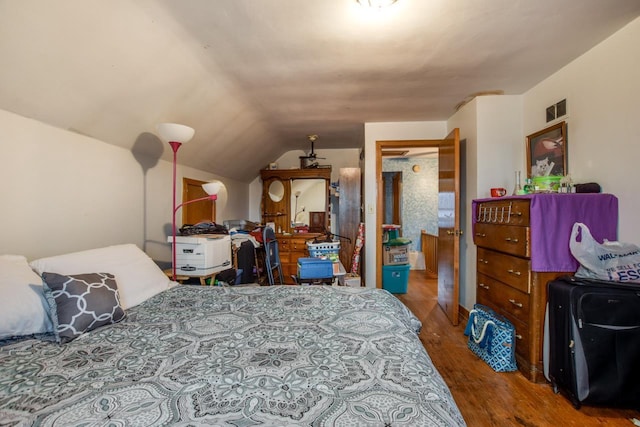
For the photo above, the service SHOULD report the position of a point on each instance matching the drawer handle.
(509, 239)
(517, 273)
(483, 286)
(483, 261)
(481, 235)
(518, 336)
(517, 304)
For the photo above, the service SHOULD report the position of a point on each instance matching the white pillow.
(23, 307)
(138, 277)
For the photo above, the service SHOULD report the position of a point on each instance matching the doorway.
(400, 160)
(448, 232)
(392, 197)
(196, 212)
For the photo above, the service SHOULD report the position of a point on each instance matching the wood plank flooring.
(487, 398)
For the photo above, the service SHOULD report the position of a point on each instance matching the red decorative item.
(355, 260)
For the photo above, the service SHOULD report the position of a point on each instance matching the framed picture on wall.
(547, 151)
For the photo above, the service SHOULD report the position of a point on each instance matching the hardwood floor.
(487, 398)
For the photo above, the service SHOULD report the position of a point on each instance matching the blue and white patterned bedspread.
(274, 356)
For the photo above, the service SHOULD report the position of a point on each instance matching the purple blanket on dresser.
(552, 218)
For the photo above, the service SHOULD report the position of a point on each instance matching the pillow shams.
(23, 308)
(138, 277)
(81, 303)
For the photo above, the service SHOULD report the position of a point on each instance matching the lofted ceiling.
(255, 77)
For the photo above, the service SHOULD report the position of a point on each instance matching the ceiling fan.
(309, 161)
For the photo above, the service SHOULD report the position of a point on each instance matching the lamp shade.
(212, 188)
(173, 132)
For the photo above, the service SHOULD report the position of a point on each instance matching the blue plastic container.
(395, 278)
(315, 268)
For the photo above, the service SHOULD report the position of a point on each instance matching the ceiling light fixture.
(376, 3)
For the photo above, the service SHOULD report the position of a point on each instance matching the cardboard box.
(202, 254)
(395, 255)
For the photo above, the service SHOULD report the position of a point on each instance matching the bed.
(194, 355)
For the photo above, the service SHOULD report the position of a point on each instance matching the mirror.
(276, 190)
(307, 195)
(306, 213)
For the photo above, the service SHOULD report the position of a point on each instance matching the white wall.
(491, 134)
(386, 132)
(602, 88)
(501, 147)
(64, 192)
(603, 92)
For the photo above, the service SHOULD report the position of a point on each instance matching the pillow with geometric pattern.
(81, 302)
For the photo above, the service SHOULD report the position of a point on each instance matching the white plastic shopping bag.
(613, 261)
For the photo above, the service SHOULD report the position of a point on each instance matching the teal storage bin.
(395, 278)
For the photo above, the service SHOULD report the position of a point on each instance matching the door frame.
(186, 183)
(392, 144)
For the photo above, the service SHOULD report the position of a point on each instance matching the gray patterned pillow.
(81, 302)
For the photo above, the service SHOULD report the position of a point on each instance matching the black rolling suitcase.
(594, 342)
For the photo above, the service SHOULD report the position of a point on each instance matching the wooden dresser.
(292, 247)
(507, 280)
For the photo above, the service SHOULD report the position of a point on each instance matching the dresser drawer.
(522, 330)
(511, 240)
(298, 245)
(505, 212)
(295, 255)
(509, 269)
(504, 297)
(284, 256)
(522, 336)
(284, 245)
(289, 244)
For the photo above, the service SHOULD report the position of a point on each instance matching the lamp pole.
(174, 146)
(175, 134)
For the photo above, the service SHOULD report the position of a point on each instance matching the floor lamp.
(176, 135)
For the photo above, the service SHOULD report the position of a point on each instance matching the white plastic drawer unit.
(202, 254)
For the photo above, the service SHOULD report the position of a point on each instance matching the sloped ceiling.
(254, 77)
